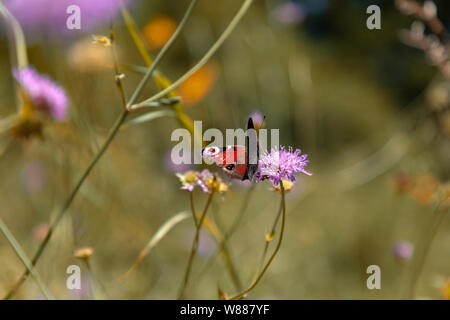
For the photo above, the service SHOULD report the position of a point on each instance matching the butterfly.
(237, 161)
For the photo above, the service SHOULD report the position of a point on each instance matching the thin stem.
(99, 154)
(95, 279)
(263, 271)
(230, 265)
(18, 36)
(22, 256)
(271, 235)
(225, 251)
(223, 243)
(191, 200)
(116, 69)
(239, 15)
(161, 53)
(426, 243)
(69, 201)
(241, 213)
(194, 247)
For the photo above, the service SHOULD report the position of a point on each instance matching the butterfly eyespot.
(230, 167)
(212, 150)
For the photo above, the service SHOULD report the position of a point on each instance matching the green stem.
(99, 154)
(194, 247)
(223, 243)
(68, 201)
(277, 248)
(271, 235)
(426, 243)
(239, 15)
(22, 256)
(191, 200)
(241, 213)
(160, 54)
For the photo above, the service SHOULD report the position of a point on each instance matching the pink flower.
(44, 94)
(403, 250)
(281, 165)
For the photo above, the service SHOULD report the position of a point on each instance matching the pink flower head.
(281, 164)
(403, 250)
(44, 94)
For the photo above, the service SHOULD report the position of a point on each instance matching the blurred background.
(371, 111)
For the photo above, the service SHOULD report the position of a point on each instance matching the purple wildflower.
(50, 16)
(33, 176)
(44, 94)
(281, 164)
(403, 250)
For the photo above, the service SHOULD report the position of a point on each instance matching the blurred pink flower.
(403, 250)
(43, 93)
(50, 16)
(40, 231)
(33, 176)
(289, 13)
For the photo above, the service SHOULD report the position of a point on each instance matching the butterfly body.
(234, 160)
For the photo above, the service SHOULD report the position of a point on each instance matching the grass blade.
(22, 256)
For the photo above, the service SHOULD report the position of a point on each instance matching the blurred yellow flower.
(158, 30)
(269, 236)
(424, 191)
(195, 88)
(188, 179)
(83, 253)
(287, 184)
(87, 56)
(215, 184)
(207, 181)
(446, 290)
(104, 40)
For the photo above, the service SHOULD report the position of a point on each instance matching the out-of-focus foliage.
(371, 113)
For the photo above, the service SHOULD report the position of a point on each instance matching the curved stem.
(271, 235)
(22, 256)
(68, 201)
(263, 271)
(194, 247)
(161, 53)
(105, 146)
(223, 242)
(427, 241)
(191, 200)
(239, 15)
